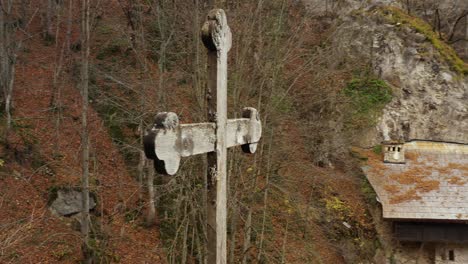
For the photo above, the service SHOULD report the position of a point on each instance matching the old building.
(423, 189)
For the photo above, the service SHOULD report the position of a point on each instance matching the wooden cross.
(169, 141)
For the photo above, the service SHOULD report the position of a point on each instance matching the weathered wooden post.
(216, 36)
(168, 140)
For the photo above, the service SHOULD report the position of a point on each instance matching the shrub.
(377, 149)
(367, 97)
(114, 47)
(368, 191)
(368, 94)
(337, 207)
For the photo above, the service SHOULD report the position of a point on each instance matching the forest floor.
(43, 154)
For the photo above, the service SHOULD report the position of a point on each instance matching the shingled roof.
(431, 185)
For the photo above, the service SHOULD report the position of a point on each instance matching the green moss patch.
(367, 96)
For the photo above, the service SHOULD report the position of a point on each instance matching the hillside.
(323, 77)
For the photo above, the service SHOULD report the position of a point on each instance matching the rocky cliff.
(429, 81)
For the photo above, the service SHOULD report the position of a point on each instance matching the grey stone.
(69, 202)
(429, 99)
(419, 38)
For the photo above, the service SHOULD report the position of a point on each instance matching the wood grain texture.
(169, 141)
(216, 36)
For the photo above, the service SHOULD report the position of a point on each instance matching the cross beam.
(168, 141)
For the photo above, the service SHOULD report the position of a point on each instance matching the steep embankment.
(42, 154)
(308, 209)
(428, 79)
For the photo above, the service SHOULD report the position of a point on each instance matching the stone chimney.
(394, 152)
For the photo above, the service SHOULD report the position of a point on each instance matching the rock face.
(69, 202)
(452, 23)
(430, 100)
(343, 7)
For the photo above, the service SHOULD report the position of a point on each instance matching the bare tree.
(466, 36)
(247, 236)
(152, 203)
(85, 222)
(9, 47)
(408, 7)
(50, 13)
(453, 27)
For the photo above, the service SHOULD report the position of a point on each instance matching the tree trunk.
(8, 49)
(247, 237)
(285, 237)
(233, 196)
(48, 33)
(141, 167)
(151, 205)
(185, 238)
(232, 246)
(9, 91)
(3, 51)
(55, 100)
(265, 199)
(84, 133)
(69, 25)
(466, 36)
(453, 28)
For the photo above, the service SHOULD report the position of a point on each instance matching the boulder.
(69, 202)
